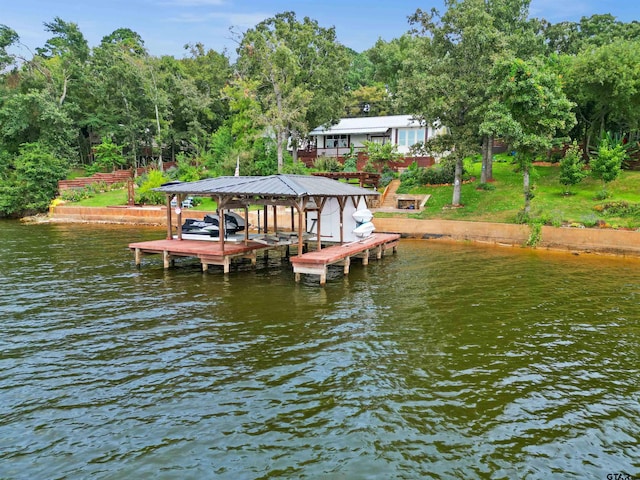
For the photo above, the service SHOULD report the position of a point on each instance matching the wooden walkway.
(209, 253)
(316, 262)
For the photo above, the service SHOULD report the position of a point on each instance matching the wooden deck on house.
(317, 262)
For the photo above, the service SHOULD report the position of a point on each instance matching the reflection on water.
(444, 361)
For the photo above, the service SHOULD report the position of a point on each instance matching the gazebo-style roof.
(302, 192)
(272, 186)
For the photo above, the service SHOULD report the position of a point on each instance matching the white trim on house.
(401, 130)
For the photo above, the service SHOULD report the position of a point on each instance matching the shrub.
(151, 180)
(572, 167)
(327, 164)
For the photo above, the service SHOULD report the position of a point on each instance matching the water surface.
(443, 361)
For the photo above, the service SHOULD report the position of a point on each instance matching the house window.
(336, 141)
(409, 137)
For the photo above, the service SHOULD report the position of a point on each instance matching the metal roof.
(277, 186)
(367, 125)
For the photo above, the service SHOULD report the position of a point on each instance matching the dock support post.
(138, 257)
(166, 259)
(226, 264)
(323, 277)
(205, 266)
(347, 263)
(365, 257)
(297, 277)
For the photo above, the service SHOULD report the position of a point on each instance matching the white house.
(401, 130)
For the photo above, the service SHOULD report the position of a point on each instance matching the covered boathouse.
(321, 228)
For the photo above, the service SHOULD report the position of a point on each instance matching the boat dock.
(330, 223)
(317, 262)
(313, 262)
(209, 253)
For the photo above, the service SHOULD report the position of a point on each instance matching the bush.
(149, 181)
(387, 176)
(619, 209)
(439, 174)
(350, 164)
(572, 167)
(327, 164)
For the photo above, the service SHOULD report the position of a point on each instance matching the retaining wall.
(595, 240)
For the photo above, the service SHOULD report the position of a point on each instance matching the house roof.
(366, 125)
(274, 186)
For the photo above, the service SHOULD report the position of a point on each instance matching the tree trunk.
(527, 188)
(485, 147)
(457, 182)
(160, 163)
(294, 149)
(280, 150)
(489, 171)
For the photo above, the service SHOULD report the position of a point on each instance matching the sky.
(166, 26)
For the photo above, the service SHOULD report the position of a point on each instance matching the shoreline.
(573, 240)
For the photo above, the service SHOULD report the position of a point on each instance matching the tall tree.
(604, 82)
(299, 72)
(446, 80)
(8, 37)
(71, 50)
(533, 110)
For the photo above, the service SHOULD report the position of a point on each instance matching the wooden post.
(300, 208)
(138, 256)
(246, 224)
(266, 220)
(179, 216)
(166, 259)
(275, 219)
(169, 226)
(347, 263)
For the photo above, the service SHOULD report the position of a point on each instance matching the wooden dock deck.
(311, 263)
(317, 262)
(209, 253)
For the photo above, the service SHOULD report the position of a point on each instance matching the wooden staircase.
(389, 196)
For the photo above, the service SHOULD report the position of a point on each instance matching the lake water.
(442, 361)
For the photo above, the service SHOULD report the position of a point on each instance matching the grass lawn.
(502, 202)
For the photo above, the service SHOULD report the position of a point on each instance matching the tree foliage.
(293, 75)
(296, 73)
(572, 167)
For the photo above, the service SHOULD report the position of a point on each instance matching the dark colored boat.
(210, 225)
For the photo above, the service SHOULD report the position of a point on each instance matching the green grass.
(105, 199)
(502, 202)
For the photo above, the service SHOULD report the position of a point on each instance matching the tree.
(572, 167)
(604, 82)
(298, 71)
(71, 50)
(533, 110)
(33, 181)
(8, 37)
(108, 155)
(381, 154)
(607, 163)
(445, 79)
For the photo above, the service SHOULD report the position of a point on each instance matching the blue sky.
(167, 25)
